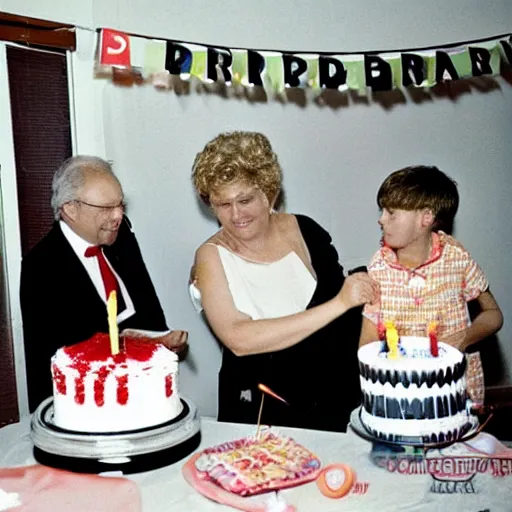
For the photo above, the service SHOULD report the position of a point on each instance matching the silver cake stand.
(358, 427)
(129, 451)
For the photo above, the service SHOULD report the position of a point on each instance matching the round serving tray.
(129, 451)
(358, 427)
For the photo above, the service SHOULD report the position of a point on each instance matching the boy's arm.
(368, 332)
(371, 313)
(486, 323)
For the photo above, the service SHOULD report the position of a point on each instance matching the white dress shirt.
(92, 267)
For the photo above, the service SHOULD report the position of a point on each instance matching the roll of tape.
(336, 480)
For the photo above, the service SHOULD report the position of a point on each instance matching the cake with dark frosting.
(415, 395)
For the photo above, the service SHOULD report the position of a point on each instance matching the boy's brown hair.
(418, 187)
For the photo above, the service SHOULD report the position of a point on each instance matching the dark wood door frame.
(31, 31)
(35, 33)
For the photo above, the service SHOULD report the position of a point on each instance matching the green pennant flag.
(154, 57)
(239, 66)
(273, 74)
(356, 78)
(199, 63)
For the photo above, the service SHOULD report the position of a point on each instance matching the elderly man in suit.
(65, 278)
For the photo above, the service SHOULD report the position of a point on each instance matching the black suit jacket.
(61, 306)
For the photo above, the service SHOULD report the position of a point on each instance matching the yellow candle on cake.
(113, 328)
(392, 339)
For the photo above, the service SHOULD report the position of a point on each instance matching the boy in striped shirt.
(425, 275)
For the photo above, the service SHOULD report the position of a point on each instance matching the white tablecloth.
(377, 488)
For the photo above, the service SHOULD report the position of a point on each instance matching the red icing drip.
(97, 349)
(168, 385)
(99, 386)
(122, 389)
(60, 380)
(83, 369)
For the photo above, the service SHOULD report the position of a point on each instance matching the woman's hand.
(358, 289)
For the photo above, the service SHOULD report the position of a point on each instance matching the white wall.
(309, 25)
(62, 11)
(333, 159)
(322, 25)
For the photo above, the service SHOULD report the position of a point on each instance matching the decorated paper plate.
(232, 472)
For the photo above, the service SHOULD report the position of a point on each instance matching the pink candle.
(381, 330)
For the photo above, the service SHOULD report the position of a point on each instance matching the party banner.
(157, 61)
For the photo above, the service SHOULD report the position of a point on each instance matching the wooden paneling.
(30, 31)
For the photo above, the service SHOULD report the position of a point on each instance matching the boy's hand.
(457, 340)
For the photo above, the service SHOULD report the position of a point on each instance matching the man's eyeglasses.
(106, 209)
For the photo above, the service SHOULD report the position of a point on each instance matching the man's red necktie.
(109, 279)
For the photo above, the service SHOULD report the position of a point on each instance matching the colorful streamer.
(276, 71)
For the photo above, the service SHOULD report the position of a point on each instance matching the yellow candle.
(259, 416)
(113, 329)
(392, 340)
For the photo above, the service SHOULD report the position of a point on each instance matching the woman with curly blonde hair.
(274, 294)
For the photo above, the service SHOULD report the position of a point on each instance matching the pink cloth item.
(44, 489)
(253, 465)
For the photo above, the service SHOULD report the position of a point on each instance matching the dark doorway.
(40, 112)
(38, 86)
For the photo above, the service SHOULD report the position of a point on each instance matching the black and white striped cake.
(416, 395)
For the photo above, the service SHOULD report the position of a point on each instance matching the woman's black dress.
(318, 377)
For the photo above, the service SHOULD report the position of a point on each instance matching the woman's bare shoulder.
(209, 246)
(207, 260)
(285, 220)
(215, 239)
(288, 225)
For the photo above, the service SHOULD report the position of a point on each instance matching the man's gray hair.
(70, 177)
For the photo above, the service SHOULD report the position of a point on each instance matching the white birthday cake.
(416, 395)
(94, 391)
